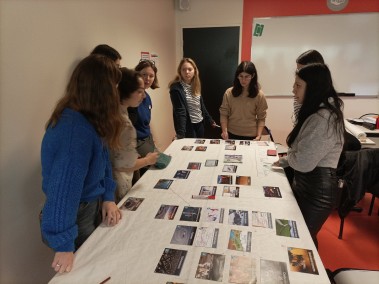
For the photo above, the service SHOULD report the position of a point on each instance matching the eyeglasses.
(244, 77)
(147, 60)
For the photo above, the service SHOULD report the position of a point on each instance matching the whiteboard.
(349, 44)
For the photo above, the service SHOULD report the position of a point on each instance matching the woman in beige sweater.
(244, 107)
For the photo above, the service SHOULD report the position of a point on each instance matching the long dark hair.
(247, 67)
(92, 91)
(129, 82)
(319, 93)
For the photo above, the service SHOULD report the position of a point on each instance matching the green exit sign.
(258, 30)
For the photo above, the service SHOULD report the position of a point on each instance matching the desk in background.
(227, 251)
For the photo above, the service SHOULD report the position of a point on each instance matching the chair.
(267, 132)
(358, 172)
(352, 276)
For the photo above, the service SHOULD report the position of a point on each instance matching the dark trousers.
(88, 218)
(238, 137)
(316, 195)
(196, 131)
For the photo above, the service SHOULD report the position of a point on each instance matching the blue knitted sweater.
(75, 168)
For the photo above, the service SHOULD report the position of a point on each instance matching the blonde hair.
(195, 83)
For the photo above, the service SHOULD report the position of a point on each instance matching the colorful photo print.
(193, 166)
(132, 203)
(163, 183)
(302, 260)
(171, 261)
(210, 267)
(243, 180)
(166, 212)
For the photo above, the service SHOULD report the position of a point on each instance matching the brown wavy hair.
(195, 84)
(92, 91)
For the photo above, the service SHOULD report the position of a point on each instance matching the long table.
(241, 248)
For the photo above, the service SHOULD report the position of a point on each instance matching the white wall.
(41, 41)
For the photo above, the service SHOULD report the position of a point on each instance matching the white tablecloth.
(130, 251)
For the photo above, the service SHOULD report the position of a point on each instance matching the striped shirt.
(193, 102)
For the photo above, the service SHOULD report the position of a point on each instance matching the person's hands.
(225, 135)
(258, 138)
(214, 124)
(110, 213)
(152, 158)
(63, 261)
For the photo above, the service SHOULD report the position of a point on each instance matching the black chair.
(358, 172)
(267, 132)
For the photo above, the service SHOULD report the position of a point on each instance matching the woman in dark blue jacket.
(189, 111)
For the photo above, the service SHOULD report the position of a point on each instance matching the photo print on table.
(187, 148)
(302, 260)
(286, 228)
(261, 219)
(247, 143)
(272, 191)
(163, 183)
(214, 141)
(206, 237)
(274, 272)
(229, 168)
(210, 267)
(242, 270)
(240, 240)
(243, 180)
(183, 235)
(233, 159)
(199, 141)
(193, 166)
(211, 163)
(238, 217)
(214, 215)
(171, 261)
(132, 203)
(191, 214)
(182, 174)
(201, 148)
(230, 147)
(232, 191)
(225, 179)
(208, 190)
(230, 142)
(166, 212)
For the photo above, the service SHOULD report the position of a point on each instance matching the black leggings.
(316, 195)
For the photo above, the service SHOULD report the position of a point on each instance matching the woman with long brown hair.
(76, 168)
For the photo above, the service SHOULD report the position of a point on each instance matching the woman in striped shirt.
(189, 111)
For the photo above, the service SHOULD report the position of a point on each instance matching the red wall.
(271, 8)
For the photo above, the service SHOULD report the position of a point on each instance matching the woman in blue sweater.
(76, 168)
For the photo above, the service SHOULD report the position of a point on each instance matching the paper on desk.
(357, 132)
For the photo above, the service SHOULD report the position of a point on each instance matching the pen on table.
(105, 280)
(203, 197)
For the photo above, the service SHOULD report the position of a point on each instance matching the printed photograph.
(240, 240)
(163, 183)
(166, 212)
(238, 217)
(191, 214)
(302, 260)
(214, 141)
(193, 166)
(214, 215)
(286, 228)
(182, 174)
(183, 235)
(233, 159)
(229, 168)
(225, 179)
(171, 261)
(243, 180)
(246, 143)
(210, 267)
(211, 163)
(208, 190)
(201, 148)
(230, 147)
(132, 203)
(206, 237)
(187, 148)
(199, 141)
(230, 142)
(231, 191)
(261, 219)
(274, 272)
(272, 191)
(242, 270)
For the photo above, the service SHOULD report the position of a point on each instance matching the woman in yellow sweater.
(244, 107)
